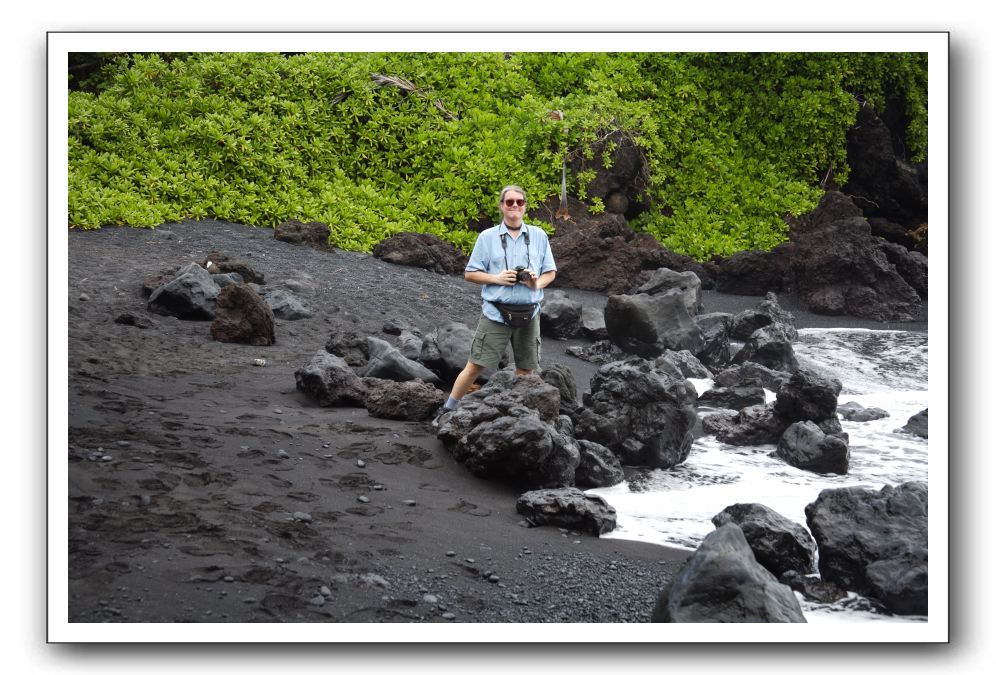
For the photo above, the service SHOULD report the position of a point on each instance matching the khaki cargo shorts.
(492, 338)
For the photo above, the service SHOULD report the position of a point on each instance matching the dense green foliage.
(379, 143)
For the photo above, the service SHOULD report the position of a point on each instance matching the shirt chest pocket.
(497, 262)
(517, 256)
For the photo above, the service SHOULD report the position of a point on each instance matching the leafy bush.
(379, 143)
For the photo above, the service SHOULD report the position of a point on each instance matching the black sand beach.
(204, 488)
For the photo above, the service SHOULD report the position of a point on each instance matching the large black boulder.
(875, 543)
(560, 317)
(647, 325)
(598, 466)
(447, 349)
(687, 283)
(840, 268)
(242, 316)
(746, 372)
(767, 312)
(511, 430)
(917, 424)
(330, 381)
(562, 377)
(722, 582)
(387, 363)
(734, 398)
(770, 346)
(640, 413)
(412, 400)
(188, 295)
(808, 395)
(569, 508)
(753, 425)
(805, 446)
(715, 328)
(778, 543)
(427, 251)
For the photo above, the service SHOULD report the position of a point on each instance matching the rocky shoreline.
(205, 486)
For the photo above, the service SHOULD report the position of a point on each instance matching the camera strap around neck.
(504, 246)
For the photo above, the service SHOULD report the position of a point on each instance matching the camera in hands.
(522, 274)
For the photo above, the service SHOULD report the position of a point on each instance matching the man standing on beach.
(513, 263)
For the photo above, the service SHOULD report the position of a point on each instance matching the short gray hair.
(510, 188)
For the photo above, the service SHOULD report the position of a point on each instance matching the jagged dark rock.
(647, 325)
(770, 346)
(754, 425)
(285, 304)
(882, 183)
(746, 372)
(779, 544)
(560, 317)
(427, 251)
(387, 363)
(602, 253)
(349, 345)
(599, 466)
(808, 395)
(562, 377)
(313, 234)
(188, 295)
(812, 587)
(734, 398)
(805, 446)
(875, 543)
(643, 415)
(508, 430)
(715, 328)
(330, 381)
(412, 400)
(916, 425)
(663, 280)
(241, 315)
(722, 583)
(855, 412)
(567, 507)
(841, 269)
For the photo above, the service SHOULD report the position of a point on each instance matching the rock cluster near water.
(873, 543)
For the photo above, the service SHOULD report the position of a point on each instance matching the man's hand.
(506, 278)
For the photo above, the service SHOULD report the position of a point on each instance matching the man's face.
(513, 207)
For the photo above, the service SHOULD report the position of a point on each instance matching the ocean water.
(882, 369)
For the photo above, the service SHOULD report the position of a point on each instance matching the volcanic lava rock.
(875, 543)
(722, 583)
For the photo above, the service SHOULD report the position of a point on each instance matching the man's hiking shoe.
(441, 412)
(437, 417)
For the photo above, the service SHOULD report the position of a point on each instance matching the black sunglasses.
(515, 202)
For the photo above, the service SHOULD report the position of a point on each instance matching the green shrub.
(379, 143)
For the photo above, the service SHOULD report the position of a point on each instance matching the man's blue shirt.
(489, 257)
